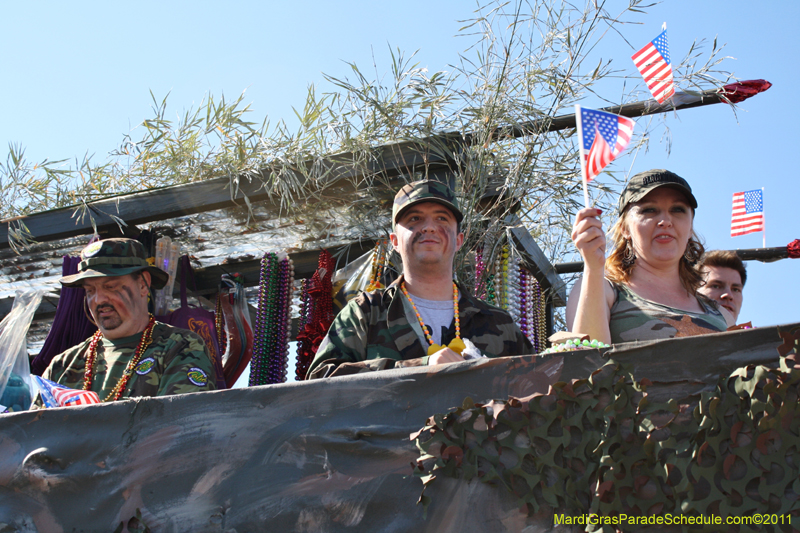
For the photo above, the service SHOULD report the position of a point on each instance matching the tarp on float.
(328, 455)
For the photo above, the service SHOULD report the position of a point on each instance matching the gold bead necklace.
(457, 345)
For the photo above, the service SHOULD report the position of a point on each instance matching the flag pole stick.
(580, 154)
(763, 221)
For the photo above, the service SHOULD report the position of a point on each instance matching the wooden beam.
(535, 261)
(163, 203)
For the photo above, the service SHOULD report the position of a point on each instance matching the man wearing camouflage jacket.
(131, 354)
(424, 317)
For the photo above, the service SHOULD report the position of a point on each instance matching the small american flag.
(652, 61)
(748, 213)
(55, 395)
(602, 136)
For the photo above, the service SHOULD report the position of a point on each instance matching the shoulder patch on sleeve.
(145, 366)
(197, 376)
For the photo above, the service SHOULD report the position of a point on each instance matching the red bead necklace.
(116, 392)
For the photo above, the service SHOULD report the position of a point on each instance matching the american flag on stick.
(55, 395)
(601, 137)
(748, 212)
(653, 63)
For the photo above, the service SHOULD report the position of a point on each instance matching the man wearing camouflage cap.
(424, 317)
(131, 354)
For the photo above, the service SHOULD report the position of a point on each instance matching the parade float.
(689, 428)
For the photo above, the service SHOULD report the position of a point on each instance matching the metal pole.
(765, 255)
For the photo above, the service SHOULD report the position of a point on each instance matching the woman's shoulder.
(616, 291)
(611, 289)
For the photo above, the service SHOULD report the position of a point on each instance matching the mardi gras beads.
(301, 367)
(541, 319)
(319, 311)
(532, 316)
(219, 324)
(273, 326)
(480, 268)
(457, 345)
(573, 345)
(122, 382)
(279, 356)
(504, 279)
(491, 296)
(524, 303)
(379, 260)
(262, 319)
(513, 291)
(280, 350)
(497, 281)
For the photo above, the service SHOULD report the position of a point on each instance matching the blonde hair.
(620, 271)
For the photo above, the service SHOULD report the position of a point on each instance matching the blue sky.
(77, 78)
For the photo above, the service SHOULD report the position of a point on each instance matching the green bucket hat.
(114, 257)
(425, 191)
(644, 182)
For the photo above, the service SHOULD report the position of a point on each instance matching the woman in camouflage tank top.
(647, 288)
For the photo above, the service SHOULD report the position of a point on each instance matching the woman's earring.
(690, 255)
(628, 257)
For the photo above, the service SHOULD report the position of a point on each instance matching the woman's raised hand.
(588, 306)
(589, 238)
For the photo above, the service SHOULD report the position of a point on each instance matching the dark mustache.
(417, 237)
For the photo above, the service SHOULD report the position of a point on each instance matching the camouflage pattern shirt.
(176, 362)
(634, 318)
(372, 332)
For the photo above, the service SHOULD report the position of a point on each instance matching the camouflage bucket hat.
(425, 191)
(644, 182)
(114, 257)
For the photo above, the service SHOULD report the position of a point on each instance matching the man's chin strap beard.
(150, 296)
(87, 313)
(150, 304)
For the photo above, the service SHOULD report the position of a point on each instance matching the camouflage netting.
(599, 445)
